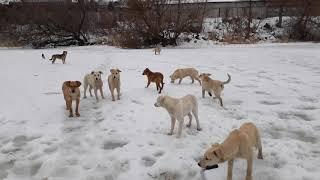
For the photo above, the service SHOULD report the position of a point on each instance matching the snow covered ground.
(276, 86)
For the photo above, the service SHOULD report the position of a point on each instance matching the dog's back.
(252, 131)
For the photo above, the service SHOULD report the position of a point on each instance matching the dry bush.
(153, 22)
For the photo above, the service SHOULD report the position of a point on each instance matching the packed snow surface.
(276, 86)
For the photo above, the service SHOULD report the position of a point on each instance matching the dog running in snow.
(214, 86)
(155, 77)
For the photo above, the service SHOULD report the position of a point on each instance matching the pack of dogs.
(238, 144)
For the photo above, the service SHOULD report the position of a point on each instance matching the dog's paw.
(260, 156)
(170, 133)
(113, 100)
(77, 114)
(71, 115)
(188, 125)
(199, 129)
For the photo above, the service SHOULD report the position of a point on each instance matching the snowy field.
(276, 86)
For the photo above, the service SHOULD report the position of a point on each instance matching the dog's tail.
(229, 79)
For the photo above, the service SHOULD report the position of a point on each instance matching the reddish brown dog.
(155, 77)
(71, 92)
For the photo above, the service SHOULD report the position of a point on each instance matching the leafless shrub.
(152, 22)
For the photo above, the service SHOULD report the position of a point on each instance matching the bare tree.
(162, 21)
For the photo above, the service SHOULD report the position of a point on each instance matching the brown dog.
(155, 77)
(71, 91)
(239, 144)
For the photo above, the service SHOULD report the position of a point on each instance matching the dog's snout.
(199, 164)
(96, 78)
(72, 90)
(114, 77)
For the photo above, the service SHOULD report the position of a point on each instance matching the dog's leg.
(220, 100)
(112, 94)
(85, 90)
(260, 156)
(198, 80)
(180, 127)
(203, 92)
(180, 80)
(173, 122)
(161, 86)
(158, 86)
(101, 92)
(96, 94)
(67, 105)
(90, 88)
(118, 93)
(230, 167)
(148, 83)
(195, 114)
(77, 107)
(70, 109)
(249, 167)
(53, 60)
(192, 79)
(190, 119)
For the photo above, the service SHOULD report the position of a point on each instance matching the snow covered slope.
(276, 86)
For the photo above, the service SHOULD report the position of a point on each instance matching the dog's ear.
(215, 145)
(208, 74)
(111, 70)
(78, 83)
(218, 153)
(68, 83)
(92, 72)
(100, 72)
(119, 70)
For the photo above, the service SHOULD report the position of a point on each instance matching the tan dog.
(59, 56)
(71, 91)
(156, 77)
(210, 85)
(178, 109)
(157, 50)
(239, 144)
(93, 80)
(114, 82)
(182, 73)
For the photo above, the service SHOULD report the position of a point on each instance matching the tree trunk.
(279, 24)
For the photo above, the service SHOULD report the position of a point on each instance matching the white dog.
(93, 80)
(178, 109)
(114, 82)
